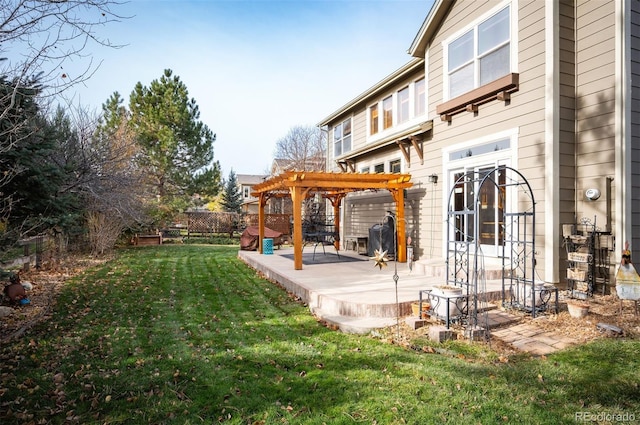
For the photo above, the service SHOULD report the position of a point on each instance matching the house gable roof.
(437, 14)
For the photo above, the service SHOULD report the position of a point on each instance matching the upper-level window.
(403, 105)
(378, 168)
(420, 101)
(399, 108)
(373, 119)
(387, 112)
(342, 137)
(246, 192)
(480, 55)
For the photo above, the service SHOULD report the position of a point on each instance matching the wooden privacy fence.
(207, 222)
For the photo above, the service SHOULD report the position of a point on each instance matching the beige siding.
(359, 129)
(595, 83)
(567, 115)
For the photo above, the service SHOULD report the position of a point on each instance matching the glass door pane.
(491, 204)
(462, 207)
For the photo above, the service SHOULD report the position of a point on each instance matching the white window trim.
(513, 37)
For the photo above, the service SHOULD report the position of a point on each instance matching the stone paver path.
(530, 338)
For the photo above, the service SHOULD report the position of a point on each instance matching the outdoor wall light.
(592, 194)
(433, 178)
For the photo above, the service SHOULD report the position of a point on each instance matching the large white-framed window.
(465, 167)
(481, 53)
(342, 138)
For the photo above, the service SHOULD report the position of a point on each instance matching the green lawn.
(188, 334)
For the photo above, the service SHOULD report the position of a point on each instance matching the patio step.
(437, 267)
(356, 325)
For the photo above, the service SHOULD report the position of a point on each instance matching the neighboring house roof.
(279, 164)
(250, 179)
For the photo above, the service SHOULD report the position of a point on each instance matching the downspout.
(576, 199)
(623, 150)
(552, 144)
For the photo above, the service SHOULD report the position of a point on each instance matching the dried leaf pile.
(46, 282)
(602, 309)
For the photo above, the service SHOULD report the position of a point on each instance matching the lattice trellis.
(212, 222)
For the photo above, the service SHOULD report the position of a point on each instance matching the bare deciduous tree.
(110, 180)
(303, 148)
(41, 37)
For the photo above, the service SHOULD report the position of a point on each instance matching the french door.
(478, 200)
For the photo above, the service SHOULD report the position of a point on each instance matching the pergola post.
(262, 201)
(296, 199)
(401, 225)
(336, 201)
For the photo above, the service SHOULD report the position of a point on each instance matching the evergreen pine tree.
(231, 196)
(177, 148)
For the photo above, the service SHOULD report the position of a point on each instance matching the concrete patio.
(348, 291)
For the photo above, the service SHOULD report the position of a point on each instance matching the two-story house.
(542, 87)
(245, 183)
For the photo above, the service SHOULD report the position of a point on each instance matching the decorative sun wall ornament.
(380, 258)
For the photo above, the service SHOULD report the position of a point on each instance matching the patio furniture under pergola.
(333, 186)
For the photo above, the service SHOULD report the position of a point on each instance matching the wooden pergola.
(333, 186)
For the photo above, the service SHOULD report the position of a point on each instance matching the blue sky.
(256, 68)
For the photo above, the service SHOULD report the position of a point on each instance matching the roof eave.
(436, 15)
(371, 92)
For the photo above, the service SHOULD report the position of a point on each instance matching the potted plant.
(415, 307)
(577, 309)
